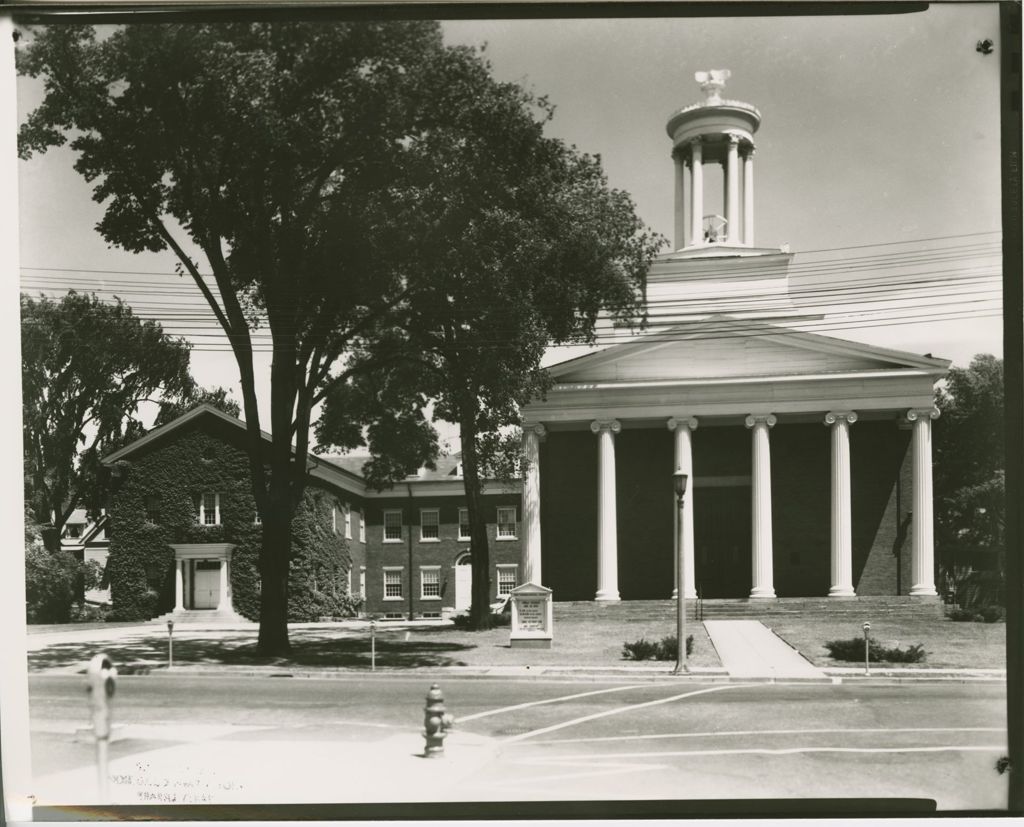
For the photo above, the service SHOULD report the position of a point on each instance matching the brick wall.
(441, 553)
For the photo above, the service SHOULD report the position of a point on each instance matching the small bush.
(89, 613)
(491, 621)
(991, 614)
(963, 615)
(640, 650)
(665, 649)
(853, 650)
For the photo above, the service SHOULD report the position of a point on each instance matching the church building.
(809, 457)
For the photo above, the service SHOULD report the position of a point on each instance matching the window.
(392, 584)
(392, 526)
(152, 508)
(362, 526)
(257, 519)
(506, 580)
(430, 583)
(209, 509)
(506, 523)
(430, 525)
(76, 530)
(348, 522)
(464, 524)
(334, 519)
(362, 582)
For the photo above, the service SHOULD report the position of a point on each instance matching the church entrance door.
(721, 528)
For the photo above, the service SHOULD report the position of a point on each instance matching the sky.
(877, 156)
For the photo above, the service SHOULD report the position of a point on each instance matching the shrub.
(963, 615)
(491, 621)
(89, 613)
(640, 650)
(853, 650)
(991, 614)
(51, 584)
(665, 649)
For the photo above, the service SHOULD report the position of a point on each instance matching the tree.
(516, 242)
(86, 366)
(262, 152)
(969, 466)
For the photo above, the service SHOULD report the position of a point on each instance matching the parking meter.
(867, 647)
(170, 643)
(102, 682)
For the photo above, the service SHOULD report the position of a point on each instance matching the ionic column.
(179, 585)
(684, 426)
(732, 190)
(842, 521)
(222, 596)
(607, 526)
(748, 198)
(529, 565)
(923, 545)
(761, 507)
(696, 192)
(680, 224)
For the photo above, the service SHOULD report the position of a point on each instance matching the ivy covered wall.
(155, 503)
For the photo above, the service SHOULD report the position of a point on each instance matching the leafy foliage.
(165, 483)
(511, 241)
(273, 147)
(853, 650)
(86, 366)
(52, 579)
(665, 649)
(171, 409)
(969, 472)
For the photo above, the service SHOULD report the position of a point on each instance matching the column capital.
(749, 151)
(612, 425)
(733, 137)
(535, 428)
(690, 422)
(915, 414)
(832, 417)
(758, 419)
(697, 141)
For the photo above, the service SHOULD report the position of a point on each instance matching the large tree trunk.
(274, 556)
(480, 610)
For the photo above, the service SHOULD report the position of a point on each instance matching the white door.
(463, 583)
(207, 585)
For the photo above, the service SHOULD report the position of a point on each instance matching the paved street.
(195, 739)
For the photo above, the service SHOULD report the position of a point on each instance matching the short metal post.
(867, 648)
(373, 645)
(170, 644)
(102, 683)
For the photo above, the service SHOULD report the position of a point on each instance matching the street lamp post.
(679, 486)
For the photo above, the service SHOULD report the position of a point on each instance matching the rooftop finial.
(712, 83)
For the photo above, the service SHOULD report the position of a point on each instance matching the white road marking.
(767, 732)
(555, 759)
(618, 710)
(463, 718)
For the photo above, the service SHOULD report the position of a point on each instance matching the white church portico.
(735, 395)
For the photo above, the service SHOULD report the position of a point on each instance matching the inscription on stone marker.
(531, 615)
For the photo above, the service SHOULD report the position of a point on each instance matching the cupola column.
(680, 225)
(696, 192)
(732, 190)
(748, 198)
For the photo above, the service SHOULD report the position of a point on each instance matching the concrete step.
(201, 616)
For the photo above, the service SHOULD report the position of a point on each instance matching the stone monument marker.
(532, 625)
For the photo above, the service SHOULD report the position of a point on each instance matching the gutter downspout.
(411, 514)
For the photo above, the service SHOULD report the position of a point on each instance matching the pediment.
(724, 348)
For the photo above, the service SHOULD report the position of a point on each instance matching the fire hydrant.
(436, 723)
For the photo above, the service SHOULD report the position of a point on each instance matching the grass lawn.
(947, 644)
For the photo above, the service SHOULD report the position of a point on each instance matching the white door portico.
(716, 371)
(186, 556)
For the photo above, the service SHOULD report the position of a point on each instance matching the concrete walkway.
(748, 649)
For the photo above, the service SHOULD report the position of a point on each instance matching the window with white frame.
(464, 531)
(257, 519)
(209, 508)
(430, 582)
(507, 523)
(506, 579)
(393, 584)
(348, 522)
(392, 526)
(362, 582)
(362, 526)
(430, 525)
